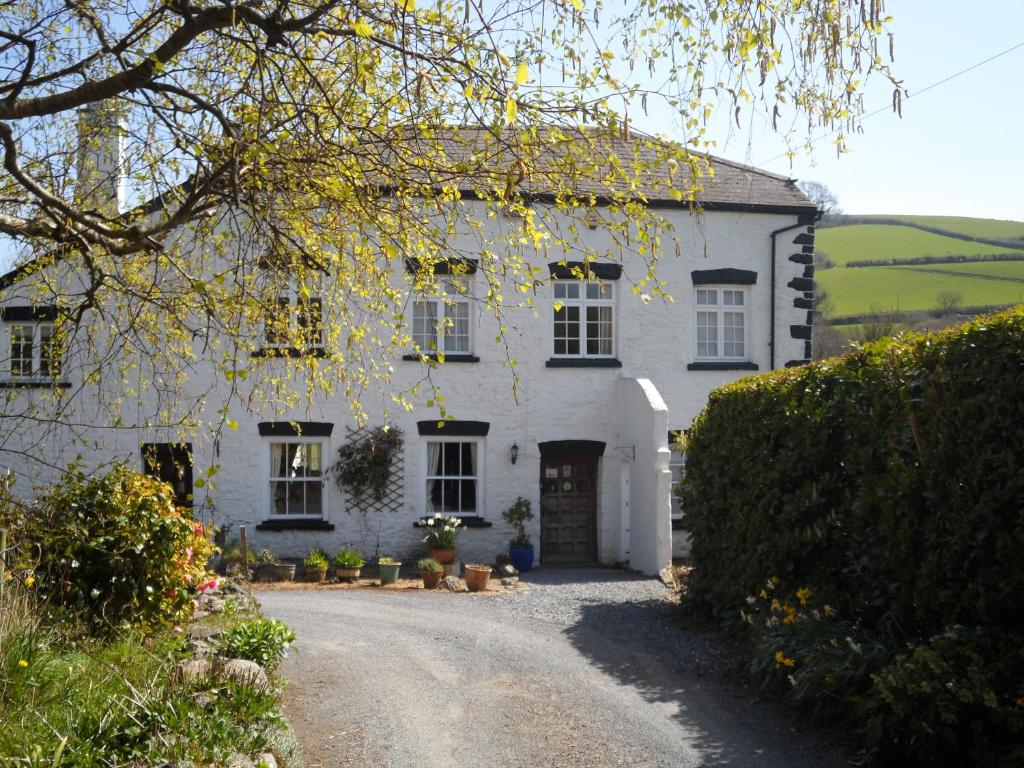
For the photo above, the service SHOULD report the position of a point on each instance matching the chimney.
(100, 180)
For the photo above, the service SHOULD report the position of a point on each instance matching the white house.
(605, 378)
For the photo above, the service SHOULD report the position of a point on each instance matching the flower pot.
(278, 572)
(347, 573)
(521, 557)
(389, 573)
(431, 578)
(316, 575)
(443, 556)
(477, 577)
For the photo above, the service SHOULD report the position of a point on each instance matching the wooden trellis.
(394, 496)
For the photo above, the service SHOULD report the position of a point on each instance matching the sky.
(958, 150)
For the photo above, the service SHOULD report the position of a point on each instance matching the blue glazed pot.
(521, 557)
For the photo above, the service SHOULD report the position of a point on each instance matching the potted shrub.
(431, 572)
(269, 568)
(440, 539)
(477, 576)
(389, 568)
(316, 563)
(348, 563)
(520, 549)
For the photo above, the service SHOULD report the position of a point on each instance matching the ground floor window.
(453, 477)
(677, 465)
(296, 478)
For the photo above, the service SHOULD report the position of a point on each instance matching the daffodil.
(22, 662)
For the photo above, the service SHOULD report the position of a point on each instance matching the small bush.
(262, 640)
(114, 550)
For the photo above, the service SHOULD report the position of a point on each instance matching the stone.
(266, 760)
(203, 632)
(510, 581)
(452, 584)
(201, 648)
(501, 561)
(238, 760)
(245, 672)
(509, 570)
(192, 670)
(668, 576)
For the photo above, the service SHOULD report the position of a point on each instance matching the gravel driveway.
(584, 669)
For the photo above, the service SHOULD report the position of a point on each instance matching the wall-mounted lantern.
(513, 453)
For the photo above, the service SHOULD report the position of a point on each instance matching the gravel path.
(583, 669)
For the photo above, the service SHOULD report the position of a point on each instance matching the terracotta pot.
(316, 575)
(443, 556)
(431, 578)
(477, 577)
(347, 573)
(275, 572)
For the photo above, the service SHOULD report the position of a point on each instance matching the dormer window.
(34, 352)
(294, 327)
(443, 324)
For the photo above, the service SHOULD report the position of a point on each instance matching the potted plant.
(347, 564)
(431, 572)
(440, 539)
(388, 570)
(520, 549)
(316, 563)
(477, 576)
(269, 568)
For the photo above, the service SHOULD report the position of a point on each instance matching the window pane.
(424, 325)
(456, 335)
(275, 332)
(467, 496)
(49, 351)
(311, 322)
(313, 460)
(314, 498)
(279, 497)
(567, 330)
(707, 296)
(21, 350)
(572, 290)
(732, 334)
(599, 330)
(449, 501)
(601, 291)
(677, 475)
(278, 459)
(559, 290)
(468, 459)
(296, 498)
(707, 334)
(732, 298)
(451, 461)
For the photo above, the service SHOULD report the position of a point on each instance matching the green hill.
(916, 287)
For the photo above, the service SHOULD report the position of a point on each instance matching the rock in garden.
(192, 670)
(501, 561)
(245, 672)
(451, 583)
(238, 760)
(509, 570)
(266, 760)
(203, 632)
(510, 581)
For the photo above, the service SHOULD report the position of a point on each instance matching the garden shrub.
(890, 485)
(114, 550)
(262, 640)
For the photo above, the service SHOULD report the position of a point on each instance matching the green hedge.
(889, 486)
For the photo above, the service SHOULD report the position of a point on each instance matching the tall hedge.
(888, 483)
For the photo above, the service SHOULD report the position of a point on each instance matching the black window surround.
(448, 358)
(28, 314)
(295, 428)
(304, 524)
(727, 276)
(465, 521)
(570, 270)
(583, 362)
(38, 384)
(451, 265)
(453, 428)
(724, 365)
(291, 352)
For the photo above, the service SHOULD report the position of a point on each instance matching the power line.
(886, 108)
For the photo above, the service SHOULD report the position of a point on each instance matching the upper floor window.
(295, 322)
(34, 349)
(584, 318)
(442, 324)
(721, 323)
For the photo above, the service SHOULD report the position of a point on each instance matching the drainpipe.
(771, 342)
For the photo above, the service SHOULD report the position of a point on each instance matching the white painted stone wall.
(655, 342)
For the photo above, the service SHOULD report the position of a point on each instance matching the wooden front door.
(568, 509)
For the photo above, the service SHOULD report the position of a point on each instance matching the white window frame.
(294, 303)
(583, 301)
(720, 310)
(677, 466)
(481, 465)
(36, 360)
(455, 291)
(269, 478)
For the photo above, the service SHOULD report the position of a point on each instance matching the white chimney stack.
(100, 181)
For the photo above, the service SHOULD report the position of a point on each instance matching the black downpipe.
(771, 342)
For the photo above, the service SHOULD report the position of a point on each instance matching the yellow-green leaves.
(522, 73)
(362, 28)
(511, 109)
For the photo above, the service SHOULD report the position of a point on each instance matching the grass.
(856, 291)
(995, 229)
(891, 241)
(78, 702)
